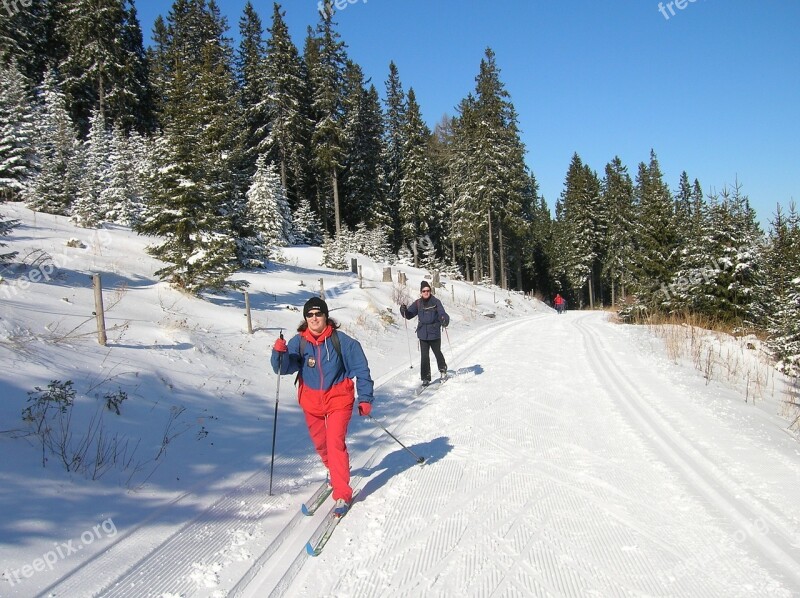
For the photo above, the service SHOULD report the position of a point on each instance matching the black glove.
(403, 309)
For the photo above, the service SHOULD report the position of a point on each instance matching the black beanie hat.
(424, 285)
(315, 303)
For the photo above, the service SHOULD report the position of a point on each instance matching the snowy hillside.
(567, 456)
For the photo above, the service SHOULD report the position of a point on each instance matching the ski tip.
(310, 550)
(304, 510)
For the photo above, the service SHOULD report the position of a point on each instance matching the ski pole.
(413, 454)
(275, 418)
(447, 334)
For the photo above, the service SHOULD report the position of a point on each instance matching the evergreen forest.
(225, 152)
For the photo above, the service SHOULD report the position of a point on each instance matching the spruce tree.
(285, 105)
(466, 211)
(16, 133)
(88, 210)
(252, 83)
(268, 208)
(363, 193)
(617, 195)
(395, 117)
(580, 235)
(196, 205)
(416, 186)
(122, 198)
(491, 156)
(326, 77)
(306, 226)
(655, 237)
(57, 153)
(780, 297)
(6, 226)
(105, 67)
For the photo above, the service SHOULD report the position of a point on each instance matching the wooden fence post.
(321, 290)
(247, 312)
(100, 315)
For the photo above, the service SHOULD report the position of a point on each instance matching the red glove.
(280, 346)
(364, 408)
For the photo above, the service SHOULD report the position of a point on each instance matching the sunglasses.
(314, 314)
(426, 291)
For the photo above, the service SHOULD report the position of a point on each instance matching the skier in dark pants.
(431, 317)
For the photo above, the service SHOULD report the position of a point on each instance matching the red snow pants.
(328, 433)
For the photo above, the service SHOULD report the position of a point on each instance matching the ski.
(435, 385)
(315, 501)
(323, 533)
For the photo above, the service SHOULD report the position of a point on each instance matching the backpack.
(336, 345)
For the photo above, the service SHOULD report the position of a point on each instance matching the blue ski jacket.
(325, 383)
(431, 317)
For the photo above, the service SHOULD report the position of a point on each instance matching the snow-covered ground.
(568, 456)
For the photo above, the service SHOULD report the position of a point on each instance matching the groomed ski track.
(568, 468)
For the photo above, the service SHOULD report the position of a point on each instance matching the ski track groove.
(717, 489)
(602, 520)
(595, 525)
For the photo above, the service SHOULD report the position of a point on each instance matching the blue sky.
(713, 87)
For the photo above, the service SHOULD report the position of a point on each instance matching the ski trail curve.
(557, 480)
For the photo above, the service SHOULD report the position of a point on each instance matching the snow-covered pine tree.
(105, 69)
(466, 212)
(490, 158)
(24, 37)
(655, 258)
(720, 270)
(286, 106)
(16, 133)
(6, 226)
(326, 76)
(195, 199)
(251, 79)
(617, 195)
(334, 250)
(394, 127)
(121, 200)
(268, 209)
(416, 186)
(379, 244)
(57, 153)
(306, 225)
(88, 210)
(363, 196)
(579, 236)
(780, 297)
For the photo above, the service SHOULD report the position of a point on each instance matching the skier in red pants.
(327, 361)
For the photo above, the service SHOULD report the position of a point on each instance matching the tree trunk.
(335, 183)
(613, 292)
(591, 293)
(503, 271)
(491, 246)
